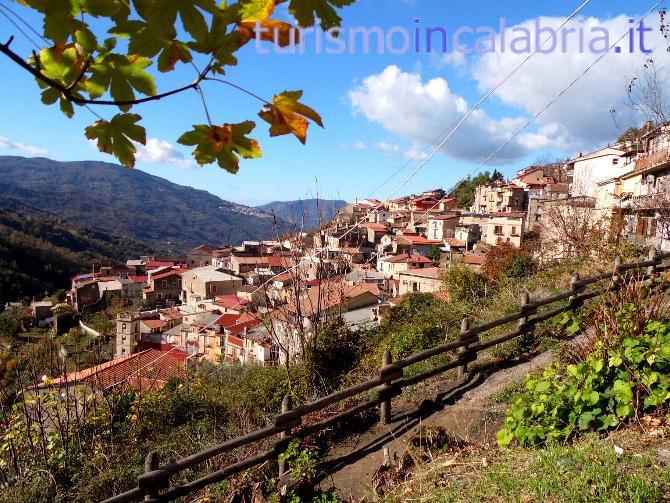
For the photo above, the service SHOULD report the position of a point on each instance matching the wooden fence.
(154, 484)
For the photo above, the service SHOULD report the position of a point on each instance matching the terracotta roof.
(157, 264)
(154, 324)
(455, 243)
(329, 294)
(165, 274)
(419, 240)
(474, 259)
(171, 313)
(138, 279)
(148, 369)
(203, 247)
(284, 277)
(284, 262)
(427, 272)
(230, 301)
(251, 260)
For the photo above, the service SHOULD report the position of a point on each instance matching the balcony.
(653, 161)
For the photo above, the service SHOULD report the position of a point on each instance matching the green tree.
(108, 53)
(434, 253)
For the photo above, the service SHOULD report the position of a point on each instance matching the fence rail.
(389, 382)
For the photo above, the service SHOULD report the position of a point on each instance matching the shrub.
(465, 284)
(617, 381)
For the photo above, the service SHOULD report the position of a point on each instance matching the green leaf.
(121, 74)
(60, 64)
(307, 11)
(222, 144)
(114, 137)
(220, 43)
(504, 437)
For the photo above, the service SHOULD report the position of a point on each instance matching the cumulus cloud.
(582, 116)
(420, 111)
(162, 152)
(20, 147)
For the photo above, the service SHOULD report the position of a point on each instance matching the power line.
(548, 105)
(424, 161)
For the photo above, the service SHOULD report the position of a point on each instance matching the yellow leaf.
(286, 115)
(266, 29)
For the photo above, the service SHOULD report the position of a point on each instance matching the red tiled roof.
(230, 301)
(138, 278)
(474, 259)
(284, 277)
(155, 324)
(148, 369)
(419, 240)
(158, 264)
(171, 313)
(203, 247)
(455, 242)
(165, 274)
(279, 261)
(428, 272)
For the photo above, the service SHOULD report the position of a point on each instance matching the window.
(498, 230)
(164, 283)
(514, 230)
(123, 327)
(615, 161)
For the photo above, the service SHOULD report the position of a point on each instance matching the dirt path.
(462, 408)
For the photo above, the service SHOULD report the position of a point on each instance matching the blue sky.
(380, 110)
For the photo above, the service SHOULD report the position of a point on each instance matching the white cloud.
(20, 147)
(582, 116)
(455, 59)
(162, 152)
(421, 111)
(409, 154)
(359, 145)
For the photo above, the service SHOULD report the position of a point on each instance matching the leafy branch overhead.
(107, 53)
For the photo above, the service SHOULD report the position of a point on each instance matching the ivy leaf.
(121, 74)
(286, 115)
(114, 137)
(307, 11)
(222, 144)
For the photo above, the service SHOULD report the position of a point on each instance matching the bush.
(506, 261)
(620, 379)
(465, 284)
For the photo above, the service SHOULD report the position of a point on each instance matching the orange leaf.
(286, 115)
(266, 30)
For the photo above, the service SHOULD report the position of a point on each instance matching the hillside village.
(257, 302)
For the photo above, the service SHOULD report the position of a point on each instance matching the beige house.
(391, 266)
(201, 256)
(442, 227)
(497, 228)
(426, 280)
(499, 197)
(206, 283)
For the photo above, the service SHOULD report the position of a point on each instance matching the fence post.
(651, 270)
(616, 278)
(463, 350)
(385, 406)
(151, 463)
(285, 407)
(574, 288)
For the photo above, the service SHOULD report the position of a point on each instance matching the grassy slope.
(589, 470)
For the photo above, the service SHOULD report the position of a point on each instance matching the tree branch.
(67, 92)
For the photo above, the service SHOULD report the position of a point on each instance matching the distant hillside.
(129, 202)
(40, 252)
(307, 214)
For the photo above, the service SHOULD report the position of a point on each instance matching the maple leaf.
(121, 74)
(286, 115)
(114, 137)
(256, 13)
(222, 144)
(307, 12)
(220, 43)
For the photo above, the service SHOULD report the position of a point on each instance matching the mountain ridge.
(148, 208)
